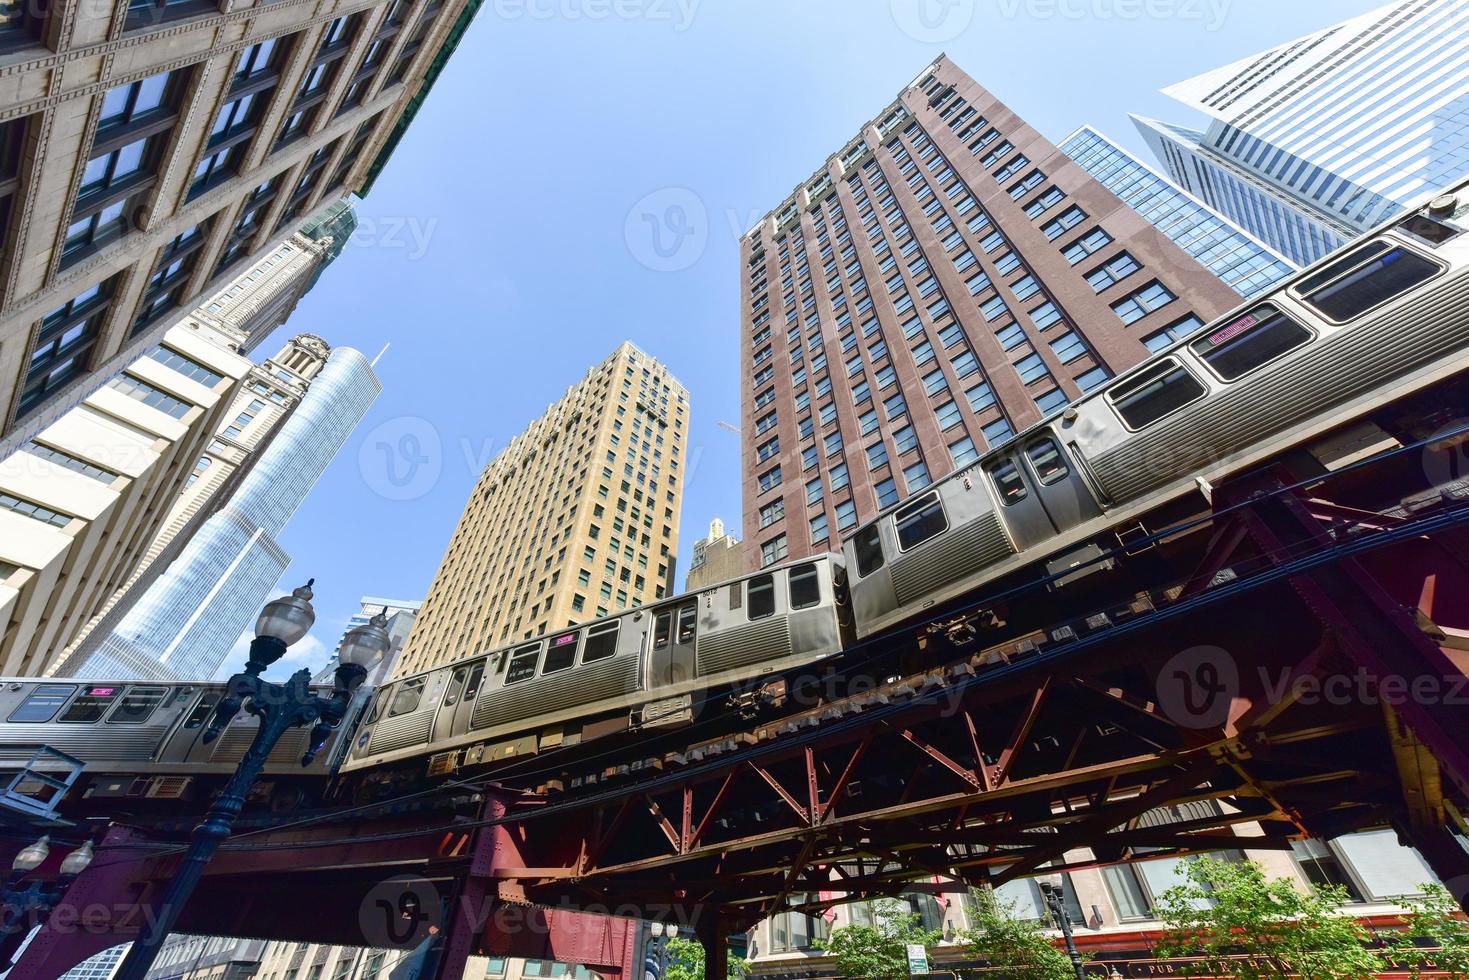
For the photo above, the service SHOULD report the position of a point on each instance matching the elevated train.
(1376, 323)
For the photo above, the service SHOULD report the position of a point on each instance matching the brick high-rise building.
(150, 150)
(947, 279)
(577, 517)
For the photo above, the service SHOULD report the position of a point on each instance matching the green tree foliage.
(1247, 927)
(879, 949)
(1435, 921)
(686, 961)
(1018, 945)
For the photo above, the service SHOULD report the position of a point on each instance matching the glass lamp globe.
(78, 860)
(365, 645)
(288, 618)
(32, 857)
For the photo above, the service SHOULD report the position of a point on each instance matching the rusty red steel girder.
(1184, 714)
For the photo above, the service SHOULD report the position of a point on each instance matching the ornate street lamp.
(280, 707)
(1053, 889)
(21, 909)
(661, 933)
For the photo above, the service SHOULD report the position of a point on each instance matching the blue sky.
(504, 250)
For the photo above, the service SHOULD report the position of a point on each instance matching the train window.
(805, 586)
(42, 703)
(406, 698)
(523, 663)
(920, 521)
(601, 642)
(736, 595)
(561, 654)
(456, 683)
(90, 704)
(202, 710)
(379, 699)
(137, 706)
(1047, 462)
(1254, 339)
(662, 630)
(1162, 389)
(762, 596)
(1430, 229)
(868, 548)
(471, 686)
(688, 622)
(1367, 278)
(1008, 482)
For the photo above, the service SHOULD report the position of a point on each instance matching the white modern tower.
(1317, 140)
(189, 619)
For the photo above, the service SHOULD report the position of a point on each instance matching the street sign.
(917, 960)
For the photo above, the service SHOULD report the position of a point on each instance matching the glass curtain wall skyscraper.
(189, 619)
(1317, 140)
(1248, 265)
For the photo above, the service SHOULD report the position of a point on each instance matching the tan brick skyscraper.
(578, 517)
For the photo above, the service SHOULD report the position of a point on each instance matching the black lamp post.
(659, 936)
(280, 707)
(24, 908)
(1053, 890)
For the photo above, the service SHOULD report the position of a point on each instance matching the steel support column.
(714, 934)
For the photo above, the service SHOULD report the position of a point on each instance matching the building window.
(1151, 297)
(64, 343)
(773, 551)
(963, 452)
(887, 493)
(247, 227)
(354, 151)
(1174, 331)
(1113, 271)
(33, 511)
(149, 14)
(21, 23)
(12, 142)
(120, 173)
(142, 391)
(413, 46)
(257, 69)
(169, 281)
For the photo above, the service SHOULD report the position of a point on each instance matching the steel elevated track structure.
(1280, 649)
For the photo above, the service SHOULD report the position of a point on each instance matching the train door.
(464, 685)
(1020, 504)
(1058, 484)
(675, 632)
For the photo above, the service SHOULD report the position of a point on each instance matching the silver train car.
(141, 740)
(1378, 321)
(644, 667)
